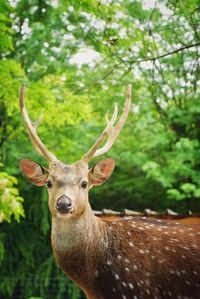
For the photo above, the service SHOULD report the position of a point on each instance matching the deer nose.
(64, 204)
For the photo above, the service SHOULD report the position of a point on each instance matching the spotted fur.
(134, 258)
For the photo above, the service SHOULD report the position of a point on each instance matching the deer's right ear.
(36, 173)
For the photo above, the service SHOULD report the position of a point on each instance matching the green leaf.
(175, 194)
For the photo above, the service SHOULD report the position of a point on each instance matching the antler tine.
(102, 137)
(31, 127)
(110, 131)
(116, 130)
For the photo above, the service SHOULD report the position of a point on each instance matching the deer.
(130, 258)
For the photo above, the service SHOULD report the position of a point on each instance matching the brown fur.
(122, 259)
(143, 258)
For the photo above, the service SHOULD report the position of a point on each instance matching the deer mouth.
(65, 215)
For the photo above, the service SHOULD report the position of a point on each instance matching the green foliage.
(6, 31)
(10, 201)
(157, 154)
(11, 74)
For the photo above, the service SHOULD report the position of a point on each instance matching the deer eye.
(49, 184)
(84, 184)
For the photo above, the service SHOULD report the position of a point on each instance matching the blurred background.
(77, 57)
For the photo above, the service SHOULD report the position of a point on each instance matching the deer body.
(130, 257)
(126, 259)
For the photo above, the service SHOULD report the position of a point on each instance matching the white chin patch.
(63, 215)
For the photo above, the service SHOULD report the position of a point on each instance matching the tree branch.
(159, 56)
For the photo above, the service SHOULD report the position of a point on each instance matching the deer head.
(68, 185)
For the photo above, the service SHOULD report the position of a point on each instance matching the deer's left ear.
(101, 172)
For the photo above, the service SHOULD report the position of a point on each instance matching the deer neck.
(80, 246)
(83, 236)
(69, 233)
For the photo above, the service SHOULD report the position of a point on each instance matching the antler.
(32, 127)
(110, 131)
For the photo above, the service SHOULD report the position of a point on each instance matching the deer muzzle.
(64, 205)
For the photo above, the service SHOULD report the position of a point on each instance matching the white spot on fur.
(104, 242)
(169, 293)
(130, 286)
(186, 248)
(116, 276)
(194, 246)
(195, 272)
(127, 261)
(183, 271)
(127, 269)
